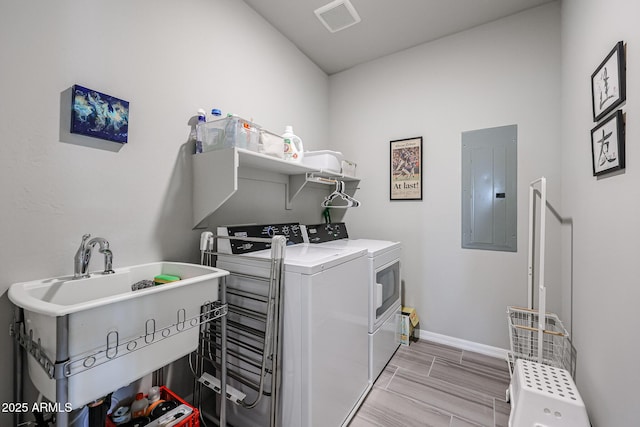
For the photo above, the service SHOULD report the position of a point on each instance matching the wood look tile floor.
(428, 384)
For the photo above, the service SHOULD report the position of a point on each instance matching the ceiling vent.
(337, 15)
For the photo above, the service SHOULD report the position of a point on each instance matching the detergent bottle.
(293, 150)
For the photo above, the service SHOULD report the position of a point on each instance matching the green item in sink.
(165, 278)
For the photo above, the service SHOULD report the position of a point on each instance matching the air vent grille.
(337, 15)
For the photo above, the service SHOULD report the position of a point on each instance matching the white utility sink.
(114, 335)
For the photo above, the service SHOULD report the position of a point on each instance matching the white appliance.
(384, 287)
(325, 347)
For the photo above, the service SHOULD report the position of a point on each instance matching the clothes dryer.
(383, 288)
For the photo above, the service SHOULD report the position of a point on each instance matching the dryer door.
(386, 291)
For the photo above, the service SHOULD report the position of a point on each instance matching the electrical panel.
(489, 189)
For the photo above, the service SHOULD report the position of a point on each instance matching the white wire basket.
(548, 344)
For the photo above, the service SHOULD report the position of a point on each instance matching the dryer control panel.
(321, 233)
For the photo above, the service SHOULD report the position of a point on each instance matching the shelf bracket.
(293, 188)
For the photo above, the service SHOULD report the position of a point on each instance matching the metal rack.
(115, 347)
(252, 330)
(525, 339)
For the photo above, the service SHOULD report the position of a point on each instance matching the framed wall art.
(99, 115)
(608, 83)
(406, 169)
(607, 145)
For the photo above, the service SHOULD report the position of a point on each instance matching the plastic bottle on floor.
(139, 406)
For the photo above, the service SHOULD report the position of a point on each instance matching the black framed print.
(406, 169)
(608, 83)
(607, 145)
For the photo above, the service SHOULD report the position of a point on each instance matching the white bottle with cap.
(293, 149)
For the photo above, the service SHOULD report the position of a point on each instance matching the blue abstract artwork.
(99, 115)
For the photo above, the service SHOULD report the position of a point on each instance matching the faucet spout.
(83, 256)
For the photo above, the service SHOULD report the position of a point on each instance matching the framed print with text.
(406, 169)
(607, 145)
(608, 83)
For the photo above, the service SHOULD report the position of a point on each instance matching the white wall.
(168, 59)
(605, 214)
(506, 72)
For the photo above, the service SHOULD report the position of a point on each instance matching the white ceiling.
(387, 26)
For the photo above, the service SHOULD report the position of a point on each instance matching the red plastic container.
(192, 420)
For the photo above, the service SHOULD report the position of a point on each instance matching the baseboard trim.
(487, 350)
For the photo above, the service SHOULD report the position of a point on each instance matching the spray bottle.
(200, 130)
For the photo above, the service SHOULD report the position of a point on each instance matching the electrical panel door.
(489, 171)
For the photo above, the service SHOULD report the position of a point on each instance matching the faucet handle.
(80, 260)
(83, 244)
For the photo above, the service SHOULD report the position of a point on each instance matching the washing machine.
(383, 288)
(324, 333)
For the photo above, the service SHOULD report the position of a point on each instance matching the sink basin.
(114, 335)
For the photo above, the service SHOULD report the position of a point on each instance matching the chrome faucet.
(83, 256)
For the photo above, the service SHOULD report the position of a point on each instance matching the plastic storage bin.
(192, 420)
(230, 132)
(323, 159)
(271, 144)
(348, 168)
